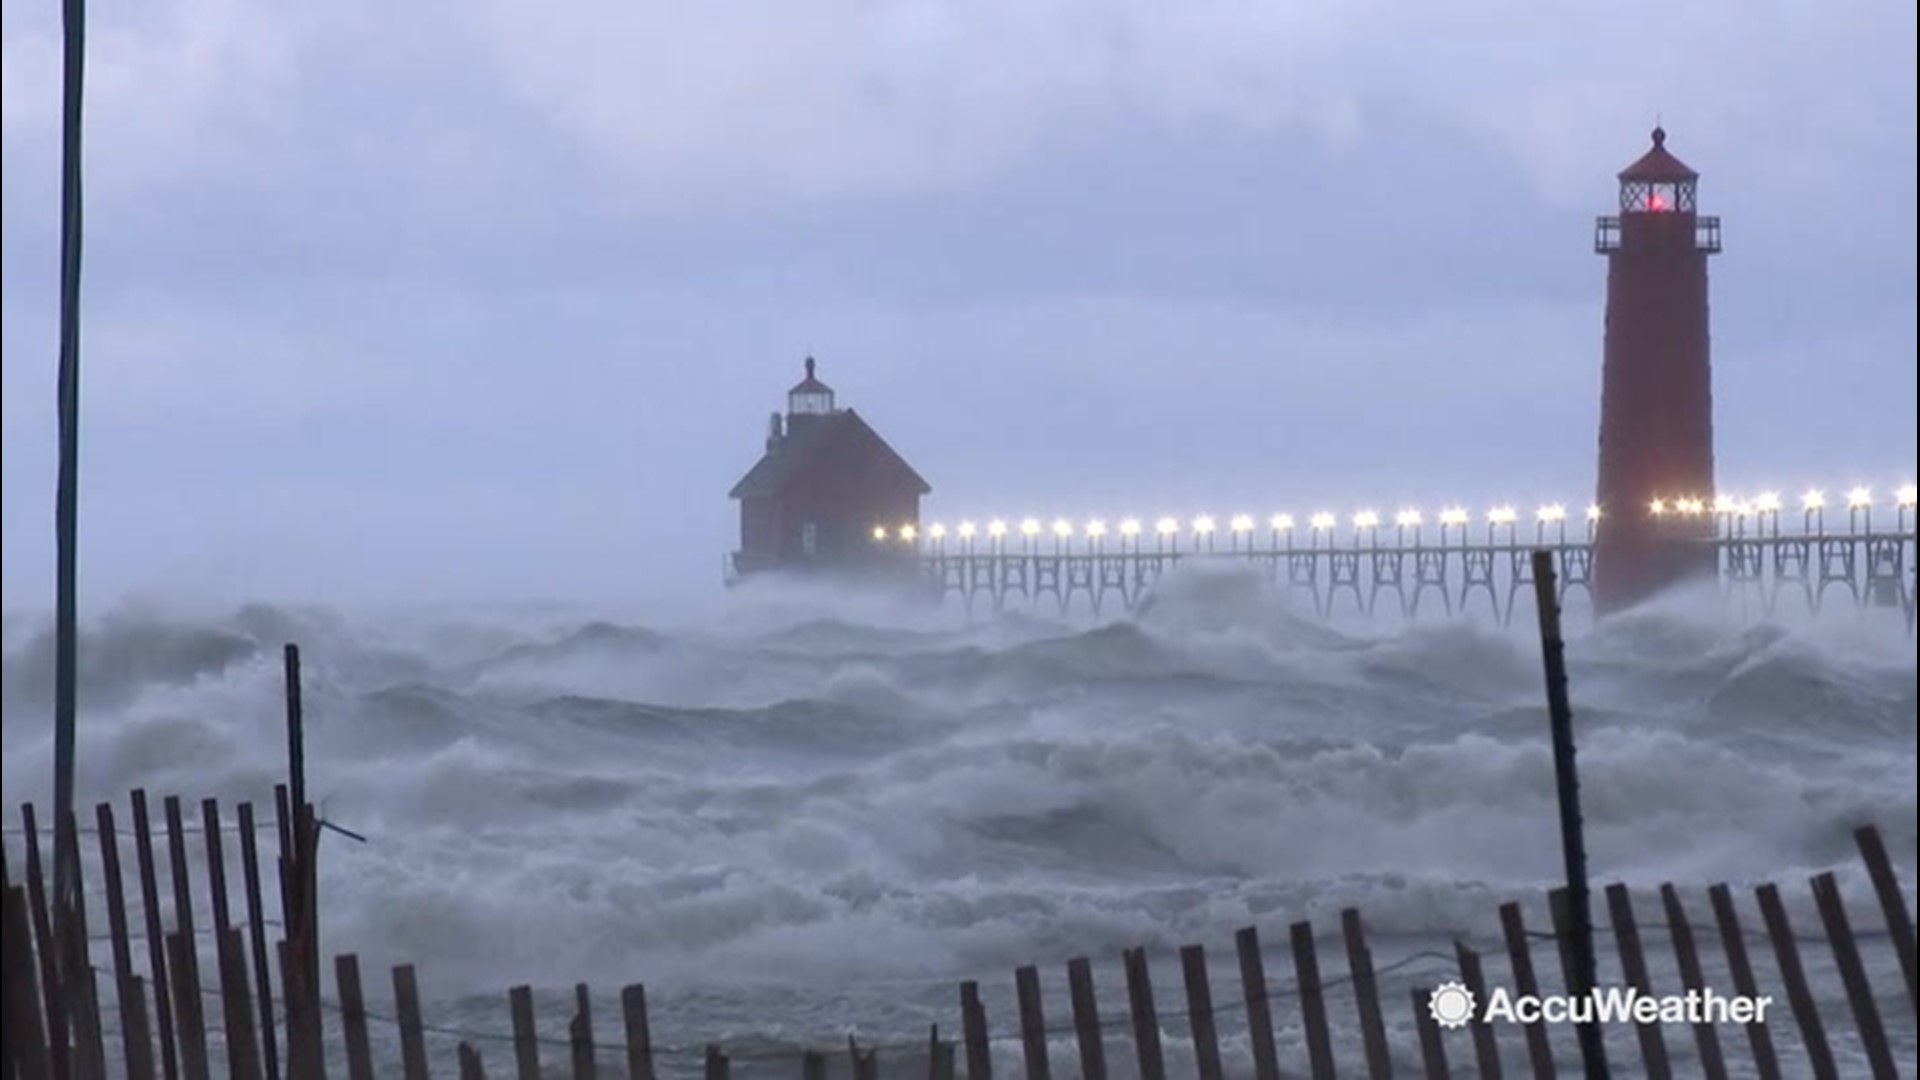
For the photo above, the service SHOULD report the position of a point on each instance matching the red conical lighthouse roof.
(1656, 166)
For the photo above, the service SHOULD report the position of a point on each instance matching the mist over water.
(794, 803)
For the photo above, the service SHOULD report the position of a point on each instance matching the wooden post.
(1713, 1062)
(973, 1025)
(1765, 1062)
(813, 1065)
(1633, 964)
(1146, 1016)
(1526, 984)
(353, 1017)
(413, 1036)
(89, 1034)
(137, 1029)
(1886, 886)
(1366, 993)
(1313, 1002)
(257, 934)
(306, 1058)
(940, 1057)
(1253, 986)
(1573, 844)
(243, 1047)
(1813, 1032)
(1846, 956)
(1206, 1037)
(471, 1067)
(186, 994)
(718, 1067)
(52, 987)
(25, 1037)
(1486, 1050)
(866, 1063)
(1086, 1020)
(1033, 1023)
(1433, 1052)
(156, 936)
(580, 1033)
(139, 1052)
(526, 1037)
(633, 1006)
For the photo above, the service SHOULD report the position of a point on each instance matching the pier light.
(908, 532)
(1203, 525)
(1905, 496)
(1767, 502)
(1548, 515)
(1407, 519)
(938, 532)
(1322, 520)
(967, 530)
(1167, 526)
(879, 532)
(1726, 504)
(1063, 528)
(1096, 528)
(1284, 522)
(1453, 516)
(1693, 506)
(1859, 498)
(1813, 500)
(1030, 527)
(997, 528)
(1241, 523)
(1657, 507)
(1593, 511)
(1502, 515)
(1366, 519)
(1130, 527)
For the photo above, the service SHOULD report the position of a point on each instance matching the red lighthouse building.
(826, 482)
(1656, 401)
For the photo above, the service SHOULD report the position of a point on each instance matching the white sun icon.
(1450, 1005)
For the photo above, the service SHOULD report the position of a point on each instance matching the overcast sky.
(490, 300)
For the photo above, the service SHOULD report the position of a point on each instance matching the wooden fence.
(149, 1009)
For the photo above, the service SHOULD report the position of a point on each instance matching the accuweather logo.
(1452, 1005)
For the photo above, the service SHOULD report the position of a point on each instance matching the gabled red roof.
(1656, 166)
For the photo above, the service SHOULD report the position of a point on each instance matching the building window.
(809, 539)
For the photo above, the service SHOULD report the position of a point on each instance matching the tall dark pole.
(1573, 844)
(66, 872)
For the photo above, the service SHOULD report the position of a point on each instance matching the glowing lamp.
(1859, 498)
(879, 532)
(1322, 520)
(1281, 522)
(1241, 523)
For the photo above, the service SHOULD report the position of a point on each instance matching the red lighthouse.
(1656, 400)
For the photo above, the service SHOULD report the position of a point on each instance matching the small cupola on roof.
(810, 396)
(1658, 183)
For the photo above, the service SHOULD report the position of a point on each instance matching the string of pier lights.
(1551, 522)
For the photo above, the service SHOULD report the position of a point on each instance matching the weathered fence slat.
(471, 1068)
(89, 1032)
(306, 1059)
(1033, 1023)
(1146, 1016)
(1633, 964)
(137, 1029)
(1713, 1062)
(243, 1044)
(633, 1009)
(136, 1048)
(25, 1036)
(186, 995)
(866, 1063)
(1486, 1050)
(413, 1036)
(1086, 1019)
(157, 975)
(53, 999)
(580, 1034)
(973, 1024)
(257, 937)
(526, 1037)
(1853, 975)
(718, 1068)
(1433, 1051)
(1766, 1062)
(1893, 905)
(940, 1057)
(813, 1065)
(1206, 1037)
(1513, 927)
(1813, 1032)
(353, 1016)
(1313, 1002)
(1253, 986)
(1366, 996)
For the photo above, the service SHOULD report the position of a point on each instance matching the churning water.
(798, 816)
